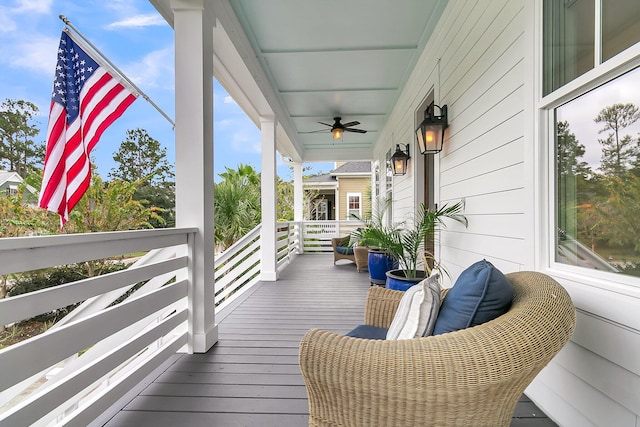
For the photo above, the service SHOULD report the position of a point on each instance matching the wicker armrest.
(381, 306)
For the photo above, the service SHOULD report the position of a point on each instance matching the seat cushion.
(369, 332)
(418, 309)
(344, 250)
(480, 294)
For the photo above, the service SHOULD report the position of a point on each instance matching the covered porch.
(291, 65)
(251, 376)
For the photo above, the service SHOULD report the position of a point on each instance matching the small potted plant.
(374, 234)
(406, 243)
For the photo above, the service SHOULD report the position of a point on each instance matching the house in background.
(9, 182)
(344, 191)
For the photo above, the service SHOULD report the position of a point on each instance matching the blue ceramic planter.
(397, 281)
(379, 263)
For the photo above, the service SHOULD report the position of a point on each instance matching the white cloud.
(246, 141)
(226, 123)
(155, 69)
(229, 100)
(7, 25)
(138, 21)
(36, 54)
(9, 14)
(33, 6)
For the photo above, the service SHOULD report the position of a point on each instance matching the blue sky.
(139, 42)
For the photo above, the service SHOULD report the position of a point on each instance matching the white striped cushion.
(418, 310)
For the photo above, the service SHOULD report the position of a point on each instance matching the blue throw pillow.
(344, 250)
(480, 294)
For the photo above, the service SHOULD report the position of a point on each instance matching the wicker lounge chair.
(359, 254)
(472, 377)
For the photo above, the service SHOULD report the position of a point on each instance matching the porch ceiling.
(308, 61)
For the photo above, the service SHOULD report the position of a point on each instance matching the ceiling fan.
(337, 128)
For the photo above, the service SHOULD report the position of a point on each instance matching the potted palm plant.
(374, 234)
(405, 243)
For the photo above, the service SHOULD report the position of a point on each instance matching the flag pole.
(116, 69)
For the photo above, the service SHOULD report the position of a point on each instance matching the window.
(13, 190)
(596, 134)
(597, 147)
(354, 206)
(572, 46)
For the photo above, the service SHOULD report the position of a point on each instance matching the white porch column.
(268, 198)
(298, 193)
(194, 160)
(298, 202)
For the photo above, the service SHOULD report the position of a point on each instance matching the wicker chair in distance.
(472, 377)
(359, 256)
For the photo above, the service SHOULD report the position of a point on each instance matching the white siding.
(494, 158)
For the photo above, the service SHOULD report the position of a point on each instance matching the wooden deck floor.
(251, 376)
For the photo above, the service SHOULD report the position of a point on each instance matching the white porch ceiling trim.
(302, 62)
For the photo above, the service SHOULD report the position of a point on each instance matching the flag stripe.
(86, 100)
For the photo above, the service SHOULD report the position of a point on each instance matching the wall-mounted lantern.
(430, 133)
(399, 160)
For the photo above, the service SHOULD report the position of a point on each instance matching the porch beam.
(193, 28)
(269, 199)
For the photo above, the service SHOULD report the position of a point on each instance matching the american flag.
(86, 99)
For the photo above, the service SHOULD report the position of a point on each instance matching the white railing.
(94, 355)
(317, 235)
(287, 242)
(85, 363)
(238, 267)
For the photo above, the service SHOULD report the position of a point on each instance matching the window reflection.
(620, 26)
(597, 139)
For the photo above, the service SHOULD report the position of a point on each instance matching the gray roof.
(14, 177)
(321, 178)
(9, 176)
(353, 167)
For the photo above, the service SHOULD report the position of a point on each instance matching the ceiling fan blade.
(316, 131)
(355, 130)
(326, 124)
(351, 124)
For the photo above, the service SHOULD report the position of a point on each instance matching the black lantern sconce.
(399, 160)
(430, 133)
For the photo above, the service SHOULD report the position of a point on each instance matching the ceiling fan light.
(337, 133)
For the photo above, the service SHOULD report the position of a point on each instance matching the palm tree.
(236, 205)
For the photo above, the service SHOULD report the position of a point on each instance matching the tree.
(570, 152)
(110, 207)
(141, 159)
(18, 151)
(237, 208)
(621, 212)
(18, 218)
(285, 202)
(619, 152)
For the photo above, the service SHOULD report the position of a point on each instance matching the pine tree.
(18, 150)
(619, 152)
